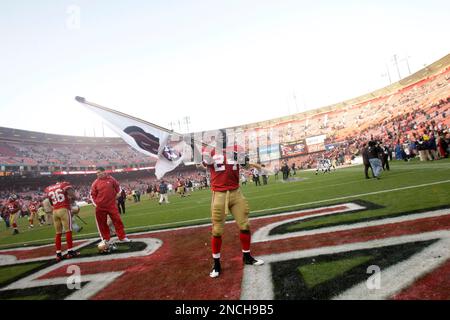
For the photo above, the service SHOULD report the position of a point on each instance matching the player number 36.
(57, 196)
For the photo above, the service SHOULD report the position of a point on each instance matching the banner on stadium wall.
(268, 153)
(253, 156)
(316, 147)
(332, 146)
(315, 140)
(316, 143)
(58, 173)
(293, 148)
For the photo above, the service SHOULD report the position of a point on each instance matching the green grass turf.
(344, 185)
(7, 273)
(315, 274)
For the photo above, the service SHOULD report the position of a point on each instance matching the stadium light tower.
(394, 58)
(171, 124)
(387, 74)
(295, 100)
(288, 105)
(187, 122)
(407, 62)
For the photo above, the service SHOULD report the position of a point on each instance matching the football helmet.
(74, 209)
(103, 246)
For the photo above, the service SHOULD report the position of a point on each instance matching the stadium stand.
(400, 114)
(27, 152)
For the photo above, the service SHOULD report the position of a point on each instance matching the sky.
(217, 63)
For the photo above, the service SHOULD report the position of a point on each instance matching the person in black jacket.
(384, 157)
(365, 156)
(285, 170)
(163, 188)
(121, 201)
(375, 162)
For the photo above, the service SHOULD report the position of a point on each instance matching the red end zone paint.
(182, 273)
(433, 286)
(179, 269)
(354, 235)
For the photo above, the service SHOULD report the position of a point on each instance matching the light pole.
(407, 62)
(171, 123)
(388, 74)
(295, 100)
(396, 65)
(187, 122)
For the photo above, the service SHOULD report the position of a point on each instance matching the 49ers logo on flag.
(143, 136)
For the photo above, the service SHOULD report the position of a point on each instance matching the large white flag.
(143, 136)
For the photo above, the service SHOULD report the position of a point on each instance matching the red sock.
(245, 237)
(58, 242)
(69, 240)
(14, 225)
(216, 244)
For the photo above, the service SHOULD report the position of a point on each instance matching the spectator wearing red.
(105, 191)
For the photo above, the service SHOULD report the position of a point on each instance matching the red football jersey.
(33, 206)
(224, 173)
(104, 193)
(12, 206)
(57, 194)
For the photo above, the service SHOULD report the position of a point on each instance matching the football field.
(328, 236)
(407, 186)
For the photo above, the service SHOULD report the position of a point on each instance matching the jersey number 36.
(57, 196)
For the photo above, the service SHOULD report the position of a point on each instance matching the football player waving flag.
(224, 166)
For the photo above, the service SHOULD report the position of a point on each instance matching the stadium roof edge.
(434, 69)
(11, 134)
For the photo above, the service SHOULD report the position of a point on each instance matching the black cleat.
(59, 257)
(248, 259)
(72, 254)
(215, 272)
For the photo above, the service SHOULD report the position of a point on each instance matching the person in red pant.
(61, 195)
(104, 193)
(13, 208)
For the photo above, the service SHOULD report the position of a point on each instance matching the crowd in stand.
(410, 123)
(68, 155)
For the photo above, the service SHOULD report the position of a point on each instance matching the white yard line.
(356, 195)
